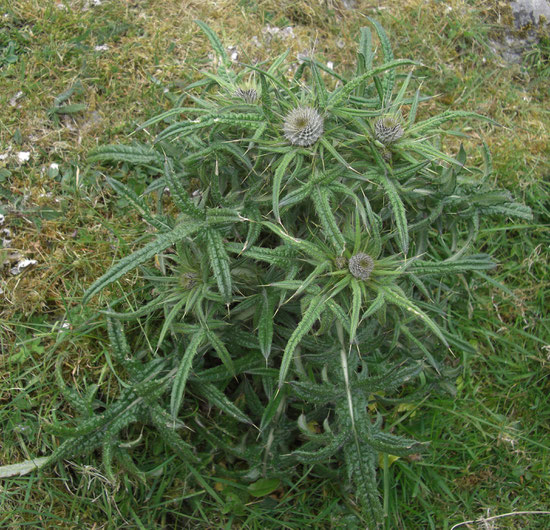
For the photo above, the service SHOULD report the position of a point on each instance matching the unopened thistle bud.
(361, 265)
(249, 95)
(388, 130)
(303, 126)
(341, 262)
(188, 280)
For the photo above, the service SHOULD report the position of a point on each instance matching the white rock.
(102, 48)
(22, 265)
(13, 100)
(23, 156)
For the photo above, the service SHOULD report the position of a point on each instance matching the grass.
(125, 62)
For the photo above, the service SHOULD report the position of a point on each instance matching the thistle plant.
(297, 281)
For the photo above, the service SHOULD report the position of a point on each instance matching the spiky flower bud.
(188, 280)
(303, 126)
(341, 262)
(249, 95)
(388, 130)
(361, 265)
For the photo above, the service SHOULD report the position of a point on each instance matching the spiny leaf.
(271, 408)
(219, 400)
(355, 308)
(134, 154)
(137, 202)
(338, 96)
(278, 179)
(364, 54)
(22, 468)
(328, 221)
(436, 121)
(389, 77)
(323, 454)
(391, 380)
(219, 261)
(179, 193)
(310, 316)
(265, 323)
(125, 265)
(398, 210)
(454, 266)
(214, 42)
(221, 350)
(183, 371)
(394, 445)
(393, 294)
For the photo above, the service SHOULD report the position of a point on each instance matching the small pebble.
(23, 156)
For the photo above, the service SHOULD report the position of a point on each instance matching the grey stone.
(530, 12)
(349, 4)
(530, 16)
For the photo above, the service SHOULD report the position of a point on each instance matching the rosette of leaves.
(260, 305)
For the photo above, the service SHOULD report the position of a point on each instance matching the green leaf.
(169, 318)
(272, 408)
(216, 44)
(391, 379)
(377, 304)
(134, 154)
(312, 313)
(73, 108)
(221, 350)
(454, 266)
(182, 373)
(364, 54)
(394, 445)
(219, 262)
(300, 244)
(323, 454)
(396, 296)
(179, 193)
(338, 96)
(389, 77)
(264, 487)
(22, 468)
(328, 221)
(265, 323)
(355, 308)
(137, 202)
(218, 399)
(125, 265)
(278, 179)
(436, 121)
(398, 210)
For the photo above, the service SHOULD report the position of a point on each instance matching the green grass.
(489, 452)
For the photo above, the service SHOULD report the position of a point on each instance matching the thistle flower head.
(303, 126)
(361, 265)
(249, 95)
(388, 130)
